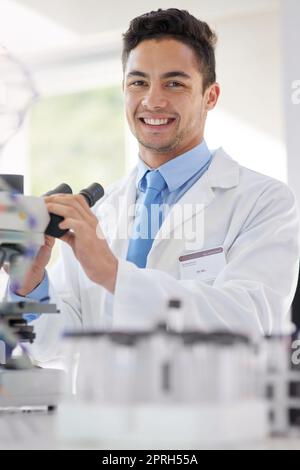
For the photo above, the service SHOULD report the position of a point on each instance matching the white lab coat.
(252, 216)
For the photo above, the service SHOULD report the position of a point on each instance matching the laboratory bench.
(36, 431)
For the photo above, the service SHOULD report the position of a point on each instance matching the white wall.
(291, 77)
(15, 156)
(248, 120)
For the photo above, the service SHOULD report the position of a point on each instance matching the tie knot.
(155, 181)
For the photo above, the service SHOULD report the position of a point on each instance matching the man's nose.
(154, 98)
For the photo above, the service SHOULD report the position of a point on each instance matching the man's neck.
(155, 159)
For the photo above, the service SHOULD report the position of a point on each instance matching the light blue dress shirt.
(180, 174)
(40, 293)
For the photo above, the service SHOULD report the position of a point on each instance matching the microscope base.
(30, 388)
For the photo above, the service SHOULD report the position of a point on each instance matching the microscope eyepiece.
(92, 194)
(63, 188)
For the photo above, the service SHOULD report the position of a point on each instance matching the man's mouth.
(157, 123)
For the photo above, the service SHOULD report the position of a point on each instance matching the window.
(77, 139)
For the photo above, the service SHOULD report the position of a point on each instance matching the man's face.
(165, 105)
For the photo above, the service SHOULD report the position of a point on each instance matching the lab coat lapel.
(117, 214)
(114, 219)
(223, 172)
(126, 218)
(189, 206)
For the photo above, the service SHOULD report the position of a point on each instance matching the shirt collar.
(179, 170)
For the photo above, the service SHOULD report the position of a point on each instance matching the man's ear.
(212, 95)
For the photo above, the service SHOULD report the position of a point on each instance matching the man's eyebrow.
(176, 73)
(137, 73)
(173, 74)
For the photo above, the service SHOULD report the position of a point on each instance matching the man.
(223, 239)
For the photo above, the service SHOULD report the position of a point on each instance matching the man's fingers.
(77, 202)
(65, 211)
(69, 209)
(49, 241)
(73, 224)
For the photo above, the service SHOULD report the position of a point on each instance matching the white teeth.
(156, 122)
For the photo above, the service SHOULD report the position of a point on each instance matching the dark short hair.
(179, 25)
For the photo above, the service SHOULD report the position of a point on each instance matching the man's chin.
(159, 147)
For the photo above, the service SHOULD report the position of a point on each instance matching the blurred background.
(77, 132)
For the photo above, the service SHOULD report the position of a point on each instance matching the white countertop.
(36, 431)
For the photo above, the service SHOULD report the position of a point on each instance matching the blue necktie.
(148, 220)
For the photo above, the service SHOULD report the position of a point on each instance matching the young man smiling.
(167, 98)
(242, 270)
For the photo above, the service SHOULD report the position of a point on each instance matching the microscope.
(24, 221)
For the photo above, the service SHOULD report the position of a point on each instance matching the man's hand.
(36, 273)
(91, 250)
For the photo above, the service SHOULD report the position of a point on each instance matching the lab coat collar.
(222, 173)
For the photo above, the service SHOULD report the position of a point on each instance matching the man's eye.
(138, 83)
(174, 84)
